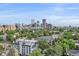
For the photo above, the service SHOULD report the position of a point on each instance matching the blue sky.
(55, 13)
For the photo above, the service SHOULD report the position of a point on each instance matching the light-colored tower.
(32, 21)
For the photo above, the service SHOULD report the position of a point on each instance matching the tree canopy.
(36, 52)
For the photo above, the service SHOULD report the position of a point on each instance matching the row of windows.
(25, 50)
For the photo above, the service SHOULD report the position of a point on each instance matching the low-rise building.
(49, 39)
(7, 27)
(73, 53)
(24, 46)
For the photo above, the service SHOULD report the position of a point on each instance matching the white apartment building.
(25, 47)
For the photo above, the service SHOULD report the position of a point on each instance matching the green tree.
(71, 44)
(61, 29)
(45, 32)
(12, 52)
(36, 53)
(10, 32)
(1, 38)
(29, 35)
(56, 50)
(67, 44)
(67, 35)
(76, 36)
(43, 44)
(49, 52)
(10, 37)
(1, 33)
(1, 49)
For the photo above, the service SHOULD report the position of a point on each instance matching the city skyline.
(56, 14)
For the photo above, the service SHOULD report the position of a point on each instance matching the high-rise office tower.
(37, 23)
(44, 23)
(33, 23)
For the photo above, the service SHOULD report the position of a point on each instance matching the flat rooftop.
(25, 41)
(73, 53)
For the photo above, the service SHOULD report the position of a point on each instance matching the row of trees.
(26, 33)
(34, 34)
(59, 47)
(12, 35)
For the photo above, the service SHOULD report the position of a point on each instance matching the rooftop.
(25, 41)
(48, 37)
(73, 53)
